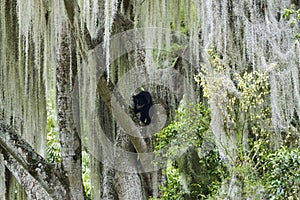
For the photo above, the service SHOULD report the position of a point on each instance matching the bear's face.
(139, 102)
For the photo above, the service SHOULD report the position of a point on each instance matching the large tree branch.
(72, 9)
(83, 38)
(20, 157)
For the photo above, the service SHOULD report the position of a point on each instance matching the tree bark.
(37, 177)
(2, 177)
(83, 37)
(69, 137)
(128, 185)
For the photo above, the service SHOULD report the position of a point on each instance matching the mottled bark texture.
(38, 178)
(69, 137)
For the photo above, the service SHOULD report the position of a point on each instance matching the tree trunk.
(69, 137)
(2, 177)
(128, 185)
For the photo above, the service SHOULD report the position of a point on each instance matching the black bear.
(142, 104)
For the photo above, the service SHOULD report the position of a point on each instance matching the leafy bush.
(198, 173)
(282, 174)
(172, 190)
(53, 145)
(293, 16)
(191, 122)
(86, 174)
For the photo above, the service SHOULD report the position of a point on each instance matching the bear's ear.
(135, 99)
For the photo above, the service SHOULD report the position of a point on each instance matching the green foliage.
(86, 174)
(252, 114)
(183, 18)
(280, 168)
(293, 15)
(245, 105)
(188, 129)
(211, 173)
(200, 168)
(173, 189)
(261, 170)
(53, 144)
(282, 174)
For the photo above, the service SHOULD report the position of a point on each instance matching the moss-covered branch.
(21, 157)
